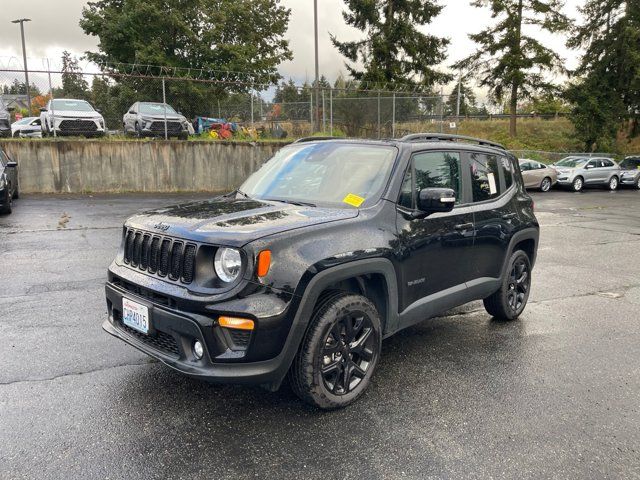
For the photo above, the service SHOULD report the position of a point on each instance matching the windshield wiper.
(237, 191)
(292, 202)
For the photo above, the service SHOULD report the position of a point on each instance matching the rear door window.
(485, 176)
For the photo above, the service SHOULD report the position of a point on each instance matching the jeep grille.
(160, 255)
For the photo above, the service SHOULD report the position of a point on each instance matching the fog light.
(198, 349)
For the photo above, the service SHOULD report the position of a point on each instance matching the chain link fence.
(215, 108)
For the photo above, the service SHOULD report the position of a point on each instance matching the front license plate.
(135, 315)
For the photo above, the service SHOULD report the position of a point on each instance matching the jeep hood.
(233, 222)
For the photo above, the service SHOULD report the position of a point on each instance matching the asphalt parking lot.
(555, 394)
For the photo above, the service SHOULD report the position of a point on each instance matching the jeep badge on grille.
(162, 226)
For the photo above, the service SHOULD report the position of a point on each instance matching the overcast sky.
(54, 28)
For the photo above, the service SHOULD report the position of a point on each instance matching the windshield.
(24, 121)
(572, 162)
(71, 106)
(334, 174)
(630, 164)
(155, 109)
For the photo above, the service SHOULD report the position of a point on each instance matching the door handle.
(464, 226)
(509, 216)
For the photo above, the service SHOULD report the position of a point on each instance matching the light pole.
(317, 89)
(24, 59)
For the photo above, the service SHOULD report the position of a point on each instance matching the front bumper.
(157, 129)
(86, 127)
(262, 357)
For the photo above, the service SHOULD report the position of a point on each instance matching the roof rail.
(447, 137)
(312, 139)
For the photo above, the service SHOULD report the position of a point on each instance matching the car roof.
(419, 142)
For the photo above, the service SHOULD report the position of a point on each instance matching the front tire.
(339, 352)
(509, 301)
(545, 185)
(613, 183)
(7, 208)
(578, 184)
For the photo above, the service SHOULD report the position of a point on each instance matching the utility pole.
(24, 59)
(458, 104)
(317, 89)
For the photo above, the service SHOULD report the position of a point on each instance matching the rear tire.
(339, 352)
(509, 301)
(578, 184)
(613, 183)
(545, 185)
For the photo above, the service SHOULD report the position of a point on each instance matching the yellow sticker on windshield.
(353, 200)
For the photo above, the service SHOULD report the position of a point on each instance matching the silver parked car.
(537, 175)
(630, 172)
(26, 127)
(147, 119)
(69, 116)
(579, 172)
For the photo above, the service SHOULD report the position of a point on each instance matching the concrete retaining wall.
(117, 166)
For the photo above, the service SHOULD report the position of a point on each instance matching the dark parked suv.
(8, 182)
(330, 247)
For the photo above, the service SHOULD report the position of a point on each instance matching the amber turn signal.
(264, 262)
(236, 322)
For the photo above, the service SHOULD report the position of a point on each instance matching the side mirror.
(12, 164)
(98, 110)
(132, 112)
(432, 200)
(43, 110)
(587, 167)
(11, 109)
(179, 113)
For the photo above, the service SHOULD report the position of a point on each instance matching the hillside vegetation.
(556, 135)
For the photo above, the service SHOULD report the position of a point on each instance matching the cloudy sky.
(54, 28)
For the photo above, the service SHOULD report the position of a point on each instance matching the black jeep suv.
(330, 247)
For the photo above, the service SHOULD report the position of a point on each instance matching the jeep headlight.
(2, 182)
(227, 264)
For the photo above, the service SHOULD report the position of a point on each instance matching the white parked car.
(69, 116)
(27, 127)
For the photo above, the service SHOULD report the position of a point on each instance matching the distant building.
(19, 102)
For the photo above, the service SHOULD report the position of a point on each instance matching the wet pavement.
(555, 394)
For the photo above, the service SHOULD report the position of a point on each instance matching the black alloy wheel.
(349, 349)
(511, 299)
(519, 281)
(339, 351)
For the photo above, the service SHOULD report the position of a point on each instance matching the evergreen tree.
(607, 90)
(509, 62)
(394, 51)
(467, 100)
(73, 83)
